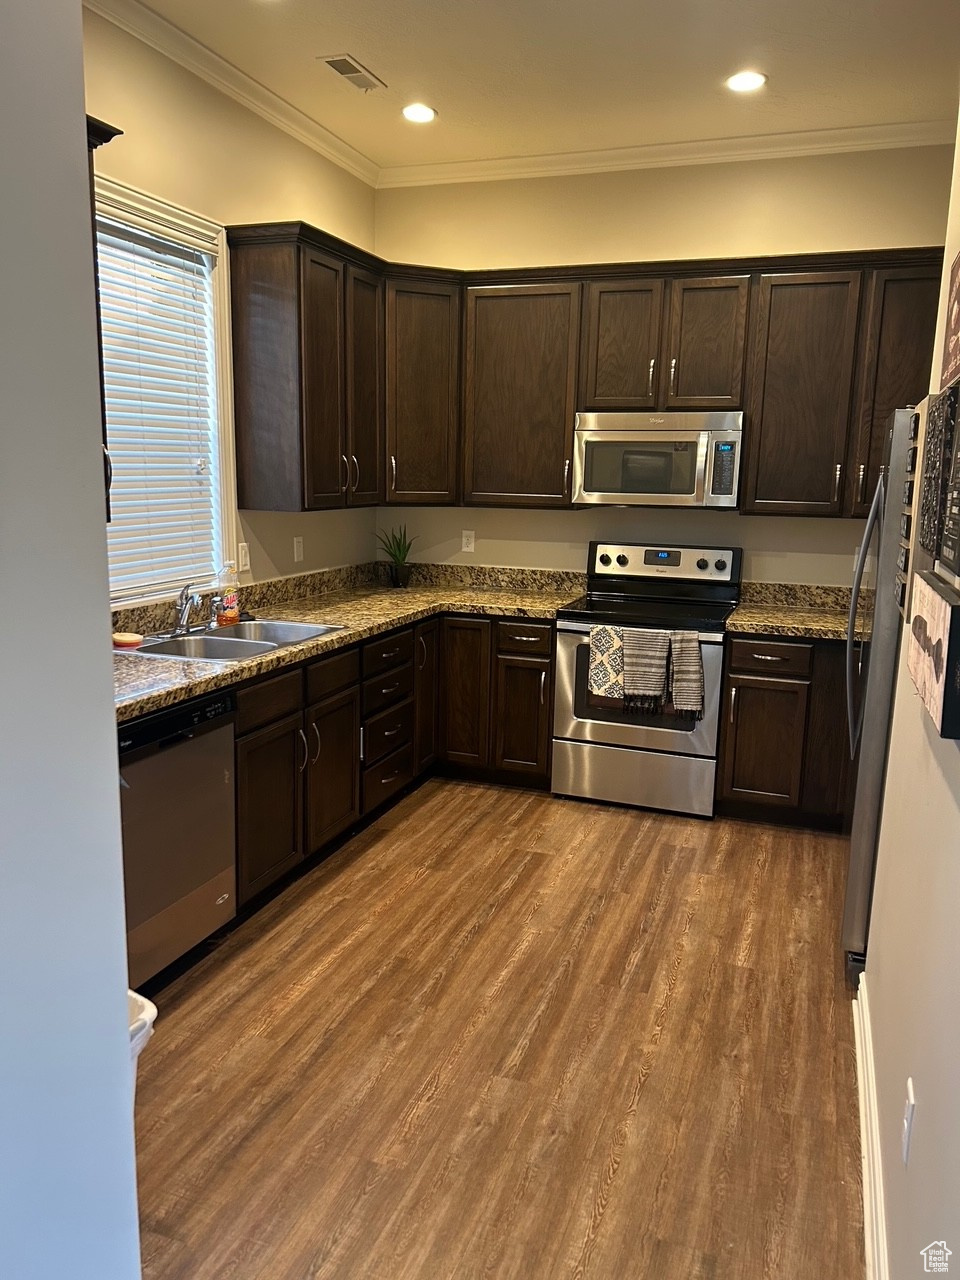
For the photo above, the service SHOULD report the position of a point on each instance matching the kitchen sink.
(277, 633)
(205, 648)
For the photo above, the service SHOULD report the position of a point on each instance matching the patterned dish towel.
(605, 677)
(646, 657)
(686, 674)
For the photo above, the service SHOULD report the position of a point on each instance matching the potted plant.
(397, 546)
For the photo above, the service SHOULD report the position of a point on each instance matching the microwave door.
(660, 468)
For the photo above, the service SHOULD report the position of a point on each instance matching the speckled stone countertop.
(788, 609)
(145, 684)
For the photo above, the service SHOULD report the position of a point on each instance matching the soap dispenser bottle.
(228, 608)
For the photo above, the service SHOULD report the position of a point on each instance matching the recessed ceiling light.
(747, 81)
(419, 113)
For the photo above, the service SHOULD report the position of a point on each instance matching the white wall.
(67, 1179)
(776, 549)
(913, 958)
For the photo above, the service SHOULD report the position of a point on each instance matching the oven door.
(580, 716)
(649, 468)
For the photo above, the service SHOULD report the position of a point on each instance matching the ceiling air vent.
(353, 72)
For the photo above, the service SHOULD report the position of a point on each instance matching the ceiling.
(538, 86)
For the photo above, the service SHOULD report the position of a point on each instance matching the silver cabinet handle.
(361, 744)
(356, 472)
(423, 645)
(861, 481)
(768, 657)
(389, 653)
(566, 474)
(733, 700)
(306, 750)
(543, 685)
(837, 473)
(673, 373)
(316, 734)
(653, 365)
(393, 471)
(525, 639)
(346, 473)
(390, 777)
(391, 688)
(391, 733)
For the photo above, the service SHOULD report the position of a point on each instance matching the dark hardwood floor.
(504, 1035)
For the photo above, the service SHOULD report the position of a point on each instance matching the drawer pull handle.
(525, 639)
(390, 777)
(391, 733)
(389, 653)
(768, 657)
(391, 688)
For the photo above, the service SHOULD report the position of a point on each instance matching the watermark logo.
(935, 1257)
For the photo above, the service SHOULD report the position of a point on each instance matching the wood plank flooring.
(504, 1035)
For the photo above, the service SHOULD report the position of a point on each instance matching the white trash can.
(142, 1014)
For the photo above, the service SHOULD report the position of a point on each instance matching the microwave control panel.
(724, 479)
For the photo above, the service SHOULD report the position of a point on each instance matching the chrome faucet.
(187, 599)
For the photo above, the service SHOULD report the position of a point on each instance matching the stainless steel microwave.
(657, 459)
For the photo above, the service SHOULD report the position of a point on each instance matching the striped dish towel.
(645, 659)
(686, 674)
(605, 673)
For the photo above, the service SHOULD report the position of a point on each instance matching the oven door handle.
(584, 629)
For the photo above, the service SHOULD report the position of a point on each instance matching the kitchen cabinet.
(270, 766)
(98, 135)
(798, 404)
(422, 392)
(633, 359)
(520, 371)
(426, 694)
(388, 715)
(332, 776)
(783, 751)
(465, 691)
(900, 316)
(307, 369)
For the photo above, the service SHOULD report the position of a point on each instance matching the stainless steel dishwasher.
(179, 847)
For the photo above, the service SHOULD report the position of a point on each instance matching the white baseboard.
(874, 1218)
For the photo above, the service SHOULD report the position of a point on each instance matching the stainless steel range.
(609, 749)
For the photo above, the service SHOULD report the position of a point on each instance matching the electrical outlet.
(467, 540)
(909, 1110)
(243, 557)
(297, 550)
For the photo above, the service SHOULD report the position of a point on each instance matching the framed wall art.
(933, 656)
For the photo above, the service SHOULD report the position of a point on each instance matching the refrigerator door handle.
(873, 519)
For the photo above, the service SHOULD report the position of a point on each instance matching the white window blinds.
(160, 384)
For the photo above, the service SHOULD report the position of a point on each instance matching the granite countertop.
(146, 684)
(789, 620)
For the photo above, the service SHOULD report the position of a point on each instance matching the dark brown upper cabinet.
(798, 405)
(423, 366)
(520, 380)
(900, 316)
(635, 358)
(307, 370)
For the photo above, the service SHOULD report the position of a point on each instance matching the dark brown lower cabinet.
(523, 714)
(426, 694)
(332, 778)
(783, 737)
(270, 766)
(465, 696)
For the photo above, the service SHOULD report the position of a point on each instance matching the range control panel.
(638, 560)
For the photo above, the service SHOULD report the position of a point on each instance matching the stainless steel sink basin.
(205, 648)
(278, 633)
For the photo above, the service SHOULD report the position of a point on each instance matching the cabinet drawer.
(381, 780)
(388, 731)
(330, 675)
(386, 652)
(269, 700)
(770, 659)
(384, 690)
(524, 637)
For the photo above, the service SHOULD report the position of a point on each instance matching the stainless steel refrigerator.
(873, 643)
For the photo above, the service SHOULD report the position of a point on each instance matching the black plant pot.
(400, 575)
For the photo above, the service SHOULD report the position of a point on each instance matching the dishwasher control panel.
(177, 722)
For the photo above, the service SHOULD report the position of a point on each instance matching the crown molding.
(139, 21)
(770, 146)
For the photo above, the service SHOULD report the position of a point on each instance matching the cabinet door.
(522, 705)
(901, 317)
(705, 345)
(520, 373)
(270, 766)
(799, 403)
(423, 362)
(465, 691)
(364, 376)
(321, 353)
(620, 345)
(426, 692)
(333, 773)
(762, 753)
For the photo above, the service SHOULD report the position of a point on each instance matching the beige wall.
(914, 957)
(876, 199)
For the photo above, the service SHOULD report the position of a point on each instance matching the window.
(158, 314)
